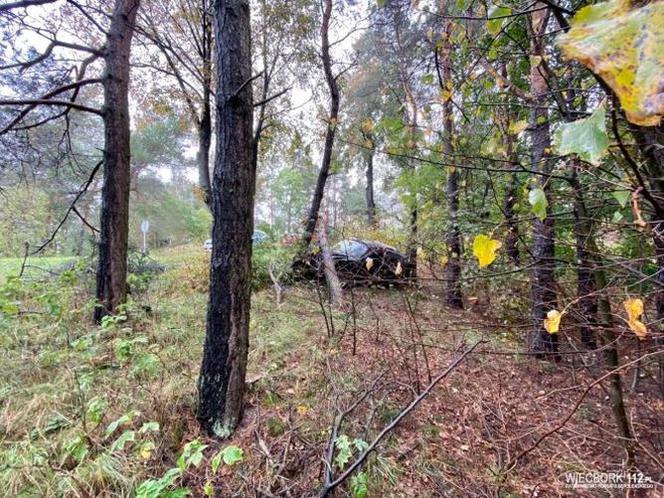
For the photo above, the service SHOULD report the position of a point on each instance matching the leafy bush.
(270, 257)
(141, 271)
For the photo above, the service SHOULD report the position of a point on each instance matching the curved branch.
(72, 208)
(24, 3)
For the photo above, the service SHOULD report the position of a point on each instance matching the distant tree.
(332, 119)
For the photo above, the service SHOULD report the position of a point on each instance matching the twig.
(330, 486)
(71, 207)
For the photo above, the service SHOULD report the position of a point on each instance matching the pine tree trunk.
(542, 283)
(324, 171)
(221, 382)
(114, 229)
(205, 118)
(453, 293)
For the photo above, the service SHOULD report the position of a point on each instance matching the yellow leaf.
(369, 263)
(552, 321)
(145, 452)
(302, 409)
(622, 41)
(398, 269)
(634, 308)
(518, 126)
(484, 249)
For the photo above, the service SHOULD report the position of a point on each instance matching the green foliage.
(346, 448)
(497, 16)
(586, 137)
(159, 488)
(539, 203)
(359, 485)
(192, 455)
(268, 257)
(230, 455)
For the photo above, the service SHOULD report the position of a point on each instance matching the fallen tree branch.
(330, 485)
(571, 413)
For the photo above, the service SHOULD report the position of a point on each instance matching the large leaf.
(539, 202)
(497, 16)
(586, 138)
(484, 249)
(634, 308)
(624, 45)
(552, 321)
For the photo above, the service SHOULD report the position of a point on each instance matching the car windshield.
(351, 248)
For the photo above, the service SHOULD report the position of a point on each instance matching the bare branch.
(24, 3)
(71, 208)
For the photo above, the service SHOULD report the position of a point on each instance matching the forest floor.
(78, 403)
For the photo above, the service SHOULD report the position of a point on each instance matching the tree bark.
(221, 383)
(114, 229)
(651, 144)
(453, 293)
(512, 237)
(369, 188)
(324, 171)
(333, 283)
(583, 231)
(205, 119)
(542, 282)
(608, 338)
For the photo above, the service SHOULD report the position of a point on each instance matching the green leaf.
(232, 454)
(208, 489)
(623, 43)
(380, 3)
(96, 408)
(344, 451)
(215, 463)
(358, 485)
(427, 79)
(126, 437)
(156, 488)
(125, 419)
(494, 25)
(77, 448)
(622, 196)
(192, 454)
(539, 203)
(586, 137)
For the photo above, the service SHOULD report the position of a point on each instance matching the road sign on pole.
(145, 226)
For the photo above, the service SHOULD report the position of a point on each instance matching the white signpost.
(145, 226)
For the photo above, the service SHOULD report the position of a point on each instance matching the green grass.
(63, 379)
(35, 266)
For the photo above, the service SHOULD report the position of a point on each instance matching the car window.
(351, 248)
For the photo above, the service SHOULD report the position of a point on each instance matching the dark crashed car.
(359, 262)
